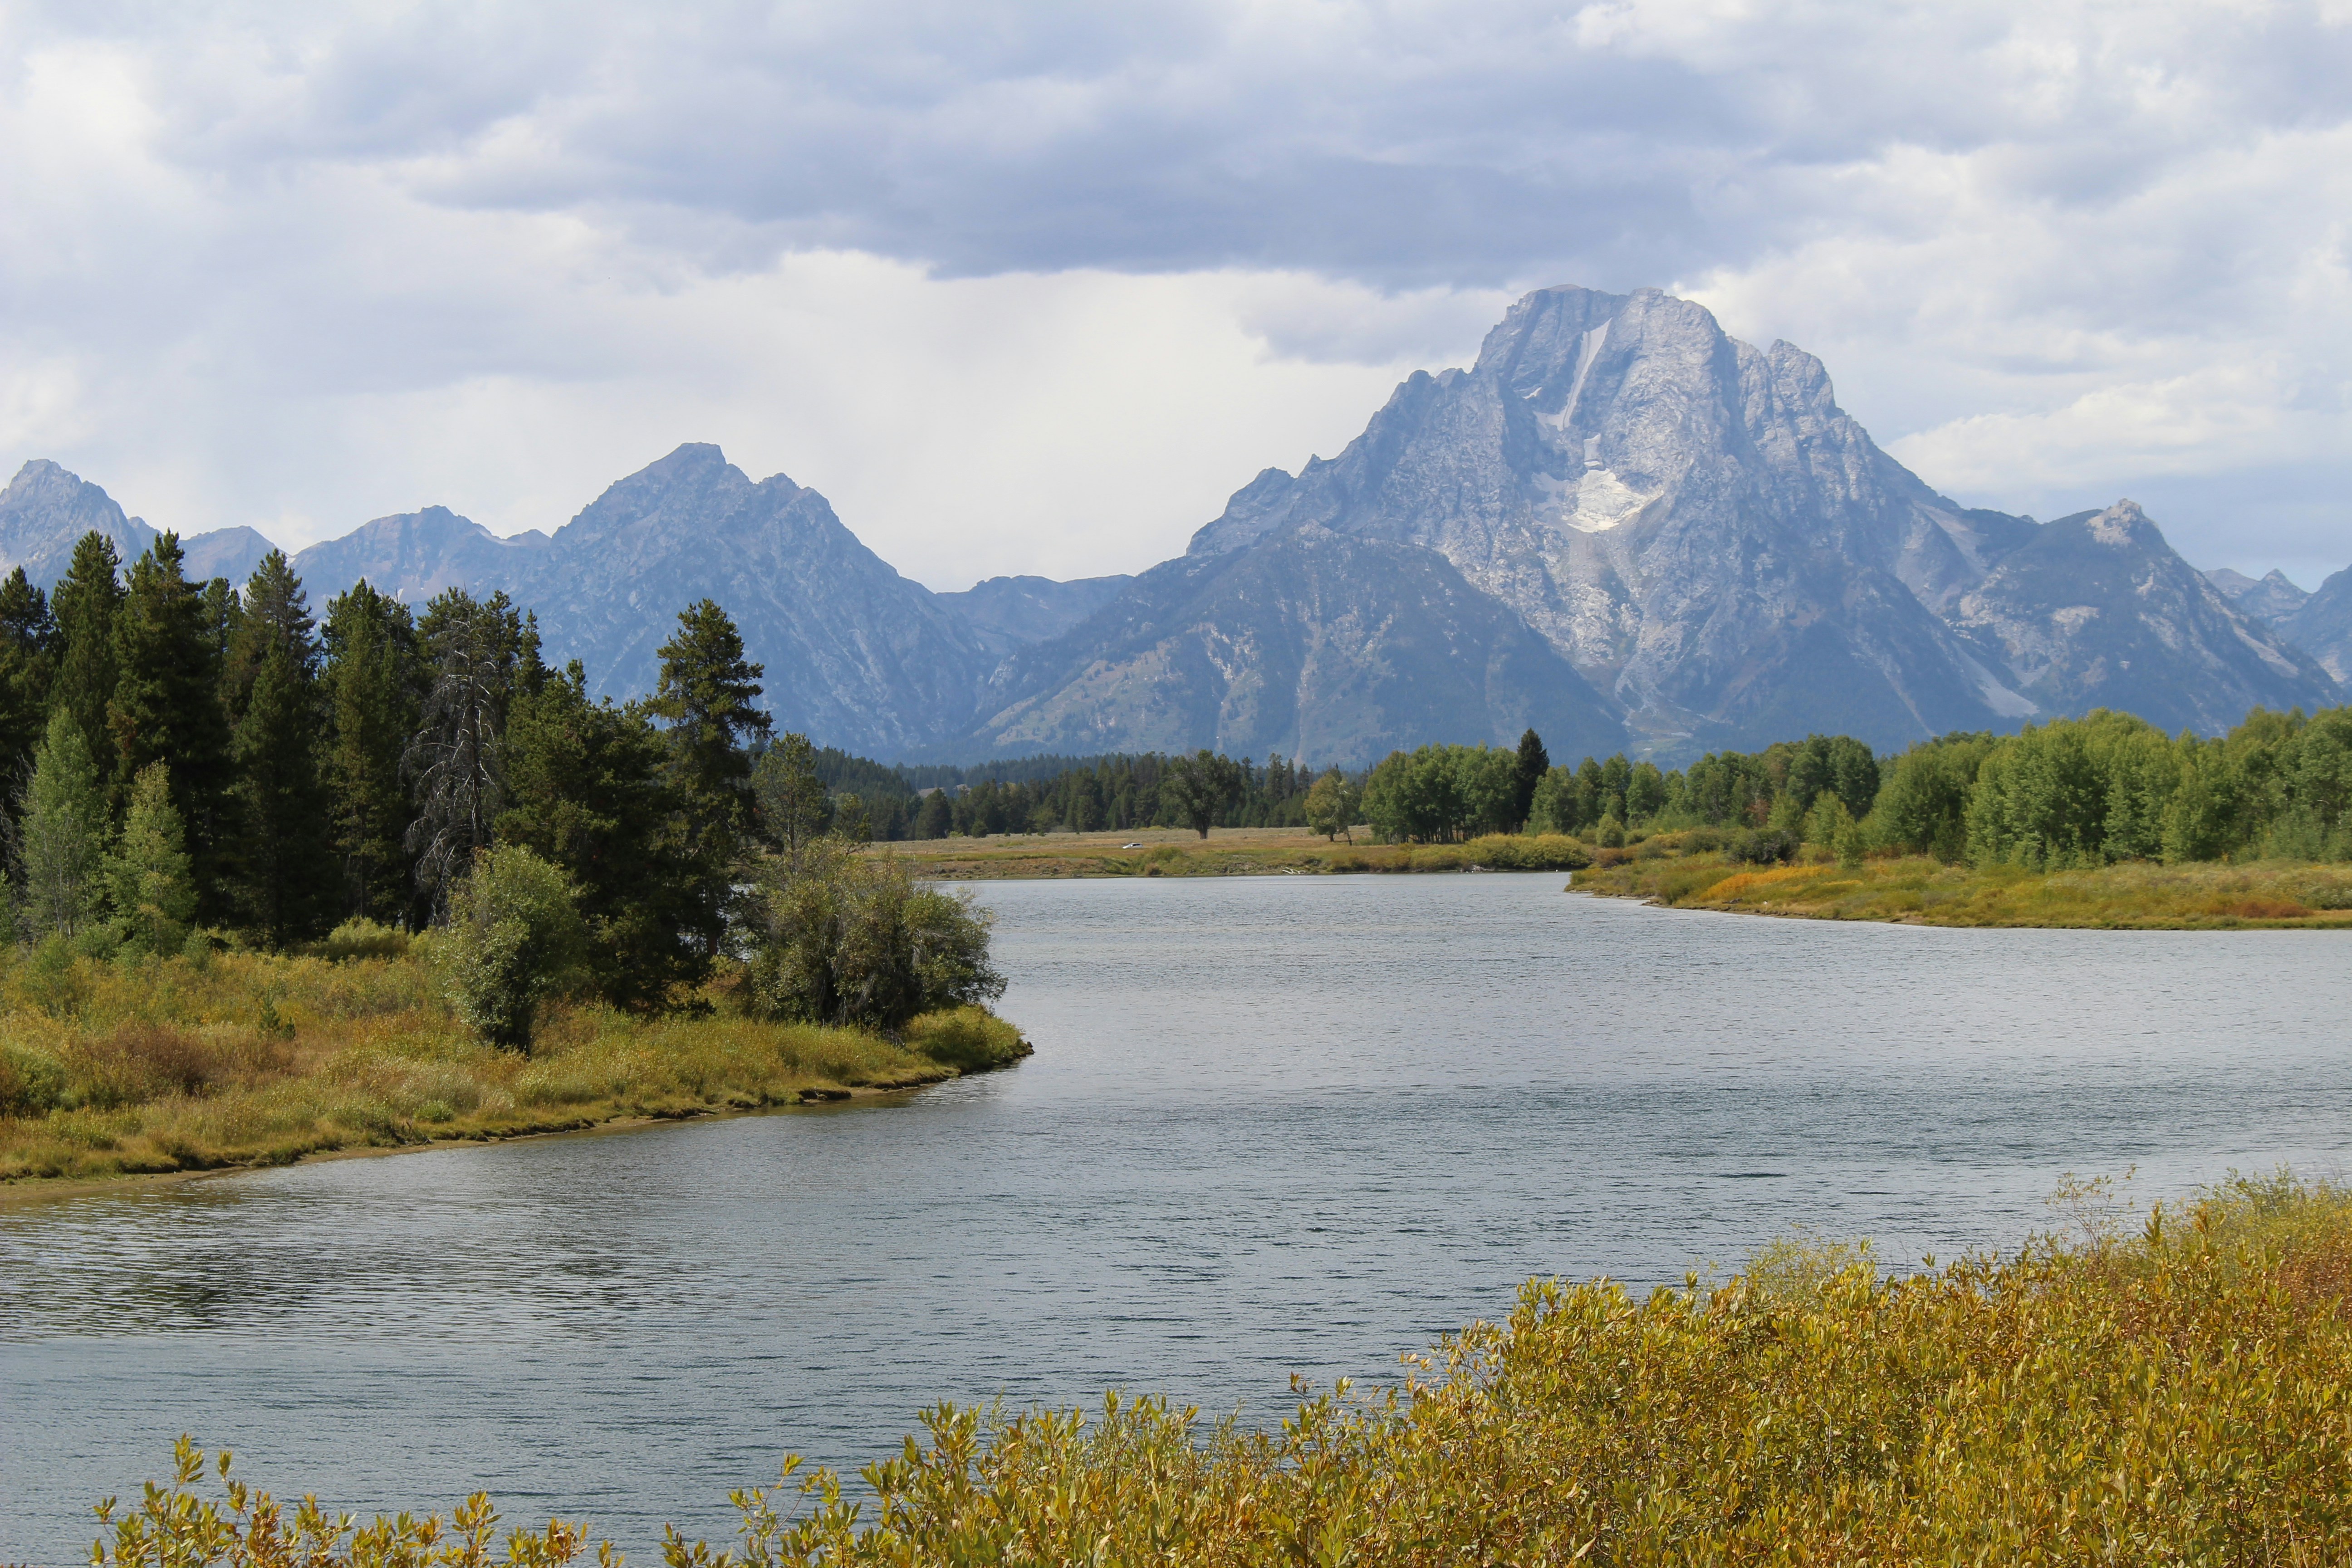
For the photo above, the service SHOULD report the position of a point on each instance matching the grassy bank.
(1923, 892)
(123, 1067)
(2174, 1395)
(1226, 852)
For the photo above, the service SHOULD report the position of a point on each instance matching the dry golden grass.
(114, 1067)
(2134, 896)
(1226, 852)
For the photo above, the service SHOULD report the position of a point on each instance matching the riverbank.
(112, 1070)
(1918, 891)
(1806, 1411)
(1226, 852)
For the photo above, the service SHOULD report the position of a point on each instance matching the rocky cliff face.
(44, 511)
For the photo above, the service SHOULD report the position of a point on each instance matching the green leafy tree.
(709, 693)
(1923, 806)
(150, 884)
(166, 708)
(1529, 770)
(850, 940)
(1199, 789)
(63, 834)
(791, 803)
(373, 699)
(87, 602)
(516, 940)
(1331, 806)
(588, 790)
(473, 649)
(29, 658)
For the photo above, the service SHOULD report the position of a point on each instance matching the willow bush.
(2180, 1397)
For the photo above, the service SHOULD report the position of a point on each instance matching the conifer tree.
(587, 790)
(166, 708)
(63, 832)
(86, 603)
(1532, 764)
(707, 693)
(372, 698)
(272, 685)
(27, 665)
(149, 884)
(473, 648)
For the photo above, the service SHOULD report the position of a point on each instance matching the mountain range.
(1619, 525)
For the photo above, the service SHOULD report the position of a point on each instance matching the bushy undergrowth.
(2181, 1396)
(125, 1066)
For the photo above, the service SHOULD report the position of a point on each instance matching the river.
(1273, 1125)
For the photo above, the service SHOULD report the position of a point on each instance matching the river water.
(1274, 1125)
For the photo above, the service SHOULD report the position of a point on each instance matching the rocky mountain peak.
(43, 513)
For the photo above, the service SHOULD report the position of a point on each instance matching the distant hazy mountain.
(416, 554)
(1006, 612)
(2271, 599)
(2323, 626)
(44, 511)
(230, 552)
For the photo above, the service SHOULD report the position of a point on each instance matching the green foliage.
(28, 657)
(792, 808)
(360, 937)
(1200, 790)
(64, 834)
(516, 939)
(1532, 764)
(372, 694)
(1443, 795)
(166, 708)
(1333, 805)
(970, 1038)
(150, 884)
(473, 649)
(87, 602)
(288, 873)
(708, 692)
(850, 940)
(1923, 807)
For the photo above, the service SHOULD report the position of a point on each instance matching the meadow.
(1225, 852)
(2172, 1387)
(131, 1066)
(1689, 871)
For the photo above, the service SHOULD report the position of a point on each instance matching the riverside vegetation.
(2173, 1390)
(545, 910)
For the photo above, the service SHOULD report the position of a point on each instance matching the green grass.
(1226, 852)
(130, 1067)
(1922, 891)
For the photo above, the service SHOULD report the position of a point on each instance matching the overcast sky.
(1034, 288)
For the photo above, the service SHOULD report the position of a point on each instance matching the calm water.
(1273, 1125)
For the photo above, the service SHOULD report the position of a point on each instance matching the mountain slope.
(43, 513)
(1311, 644)
(2271, 599)
(2323, 626)
(414, 555)
(1006, 612)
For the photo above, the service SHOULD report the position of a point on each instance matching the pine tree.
(166, 708)
(87, 602)
(1532, 764)
(588, 792)
(708, 692)
(374, 673)
(473, 648)
(287, 862)
(63, 834)
(149, 884)
(27, 665)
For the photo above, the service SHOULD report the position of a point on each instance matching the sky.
(1034, 288)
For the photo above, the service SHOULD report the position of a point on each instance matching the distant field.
(1922, 891)
(1226, 852)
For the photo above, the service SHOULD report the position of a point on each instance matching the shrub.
(849, 940)
(970, 1039)
(363, 938)
(1538, 852)
(516, 940)
(1772, 847)
(32, 1082)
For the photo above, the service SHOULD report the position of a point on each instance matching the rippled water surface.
(1273, 1125)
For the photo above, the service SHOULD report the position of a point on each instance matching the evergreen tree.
(1532, 762)
(936, 818)
(148, 881)
(166, 708)
(87, 602)
(473, 648)
(372, 700)
(288, 862)
(63, 834)
(27, 665)
(708, 692)
(587, 790)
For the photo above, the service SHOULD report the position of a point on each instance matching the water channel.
(1274, 1125)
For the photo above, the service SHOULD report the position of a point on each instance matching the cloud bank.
(1032, 288)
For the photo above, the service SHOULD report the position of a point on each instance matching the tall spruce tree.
(148, 881)
(473, 649)
(63, 832)
(373, 695)
(587, 790)
(271, 686)
(28, 662)
(86, 603)
(709, 693)
(1526, 771)
(166, 708)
